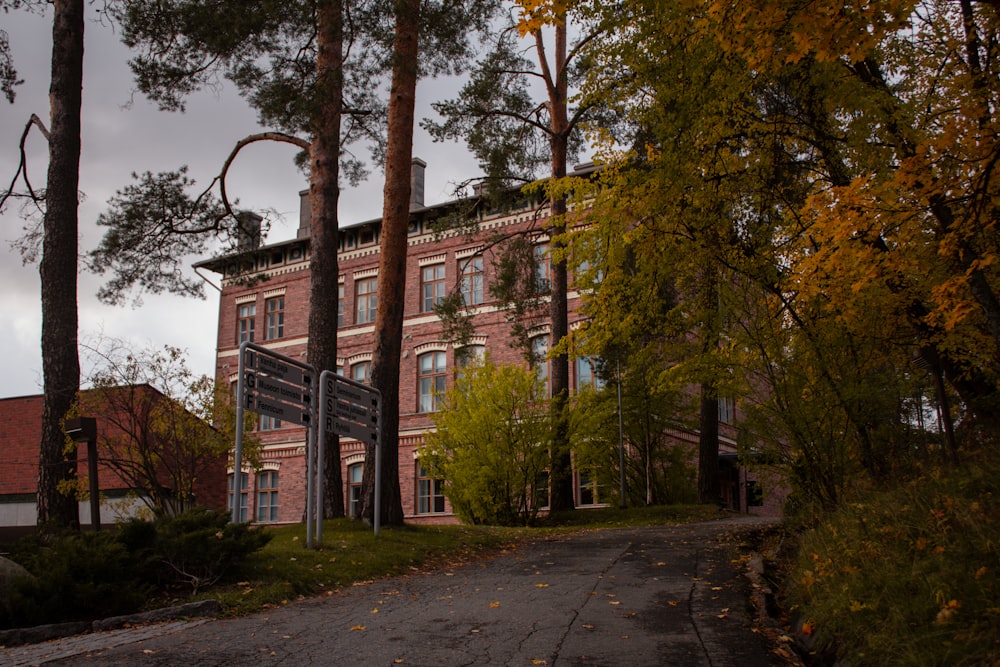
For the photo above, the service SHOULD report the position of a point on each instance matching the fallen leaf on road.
(375, 610)
(673, 603)
(587, 626)
(494, 605)
(541, 585)
(356, 628)
(538, 661)
(614, 602)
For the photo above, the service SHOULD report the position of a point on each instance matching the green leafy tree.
(165, 428)
(766, 142)
(489, 445)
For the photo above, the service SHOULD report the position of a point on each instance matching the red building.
(265, 299)
(20, 437)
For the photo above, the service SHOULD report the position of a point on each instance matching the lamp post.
(84, 429)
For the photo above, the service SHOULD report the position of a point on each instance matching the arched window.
(431, 380)
(361, 371)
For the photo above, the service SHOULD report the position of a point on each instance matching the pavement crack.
(691, 612)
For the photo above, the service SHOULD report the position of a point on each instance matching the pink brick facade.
(282, 271)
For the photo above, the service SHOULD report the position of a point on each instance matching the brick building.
(21, 434)
(272, 310)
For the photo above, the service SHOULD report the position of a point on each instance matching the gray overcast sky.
(120, 138)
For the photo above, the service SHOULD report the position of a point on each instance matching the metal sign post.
(272, 384)
(353, 409)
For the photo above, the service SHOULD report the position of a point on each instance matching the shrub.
(83, 576)
(907, 575)
(76, 576)
(198, 547)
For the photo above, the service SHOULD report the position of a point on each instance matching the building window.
(541, 498)
(244, 495)
(472, 280)
(267, 496)
(275, 313)
(354, 476)
(361, 371)
(586, 374)
(430, 499)
(366, 299)
(432, 380)
(727, 409)
(432, 288)
(468, 356)
(269, 423)
(540, 362)
(340, 306)
(586, 488)
(245, 322)
(542, 276)
(755, 494)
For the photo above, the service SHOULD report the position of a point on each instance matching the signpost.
(270, 384)
(353, 409)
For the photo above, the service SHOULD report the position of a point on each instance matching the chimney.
(417, 167)
(305, 215)
(248, 231)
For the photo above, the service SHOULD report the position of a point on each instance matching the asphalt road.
(672, 595)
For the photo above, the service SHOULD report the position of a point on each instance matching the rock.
(9, 571)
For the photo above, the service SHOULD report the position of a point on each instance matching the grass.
(350, 553)
(907, 575)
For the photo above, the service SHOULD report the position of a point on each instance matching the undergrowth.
(908, 575)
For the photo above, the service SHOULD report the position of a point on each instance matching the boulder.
(9, 571)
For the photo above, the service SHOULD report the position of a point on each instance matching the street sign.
(360, 432)
(278, 410)
(277, 369)
(351, 392)
(353, 412)
(278, 389)
(349, 408)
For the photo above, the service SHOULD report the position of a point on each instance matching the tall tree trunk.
(392, 264)
(324, 192)
(709, 487)
(60, 356)
(561, 469)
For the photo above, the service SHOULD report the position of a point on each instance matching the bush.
(76, 576)
(909, 575)
(198, 547)
(83, 576)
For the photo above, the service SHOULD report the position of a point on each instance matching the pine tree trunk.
(392, 264)
(60, 357)
(324, 192)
